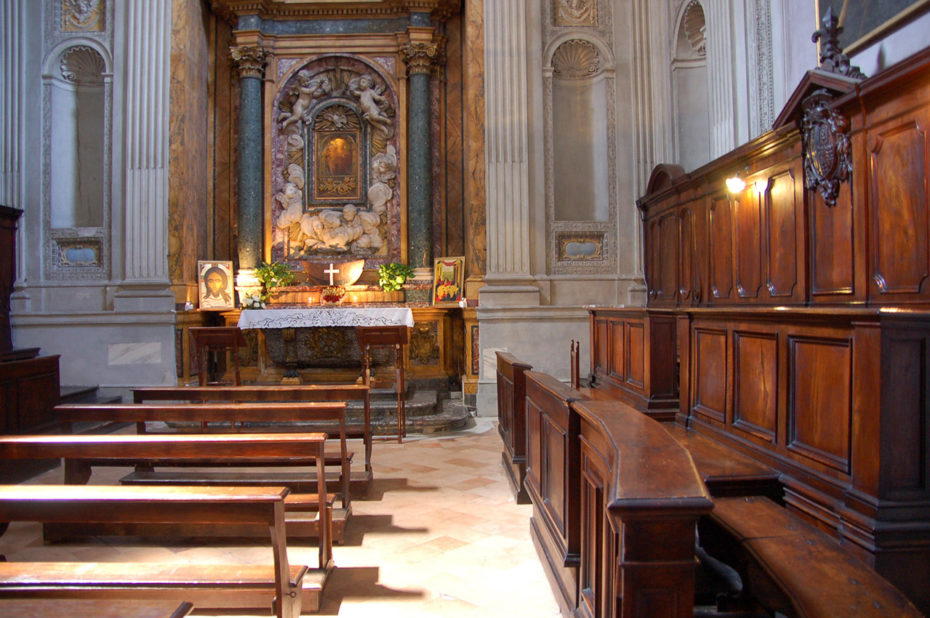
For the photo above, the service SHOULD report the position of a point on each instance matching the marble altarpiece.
(339, 119)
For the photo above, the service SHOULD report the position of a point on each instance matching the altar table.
(317, 317)
(375, 326)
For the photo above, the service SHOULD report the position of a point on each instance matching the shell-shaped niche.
(82, 65)
(695, 28)
(576, 59)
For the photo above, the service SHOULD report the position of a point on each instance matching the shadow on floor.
(360, 525)
(359, 583)
(380, 486)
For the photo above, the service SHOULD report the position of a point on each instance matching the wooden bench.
(99, 608)
(278, 393)
(794, 568)
(309, 514)
(239, 417)
(511, 420)
(210, 586)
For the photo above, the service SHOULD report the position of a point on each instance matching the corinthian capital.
(249, 60)
(420, 57)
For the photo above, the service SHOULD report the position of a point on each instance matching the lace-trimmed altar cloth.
(316, 317)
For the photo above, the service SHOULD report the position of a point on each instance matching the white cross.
(331, 271)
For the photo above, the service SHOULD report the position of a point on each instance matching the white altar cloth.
(317, 317)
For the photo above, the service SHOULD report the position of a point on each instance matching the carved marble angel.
(308, 88)
(373, 104)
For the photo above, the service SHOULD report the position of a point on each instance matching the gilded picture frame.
(865, 21)
(215, 285)
(448, 281)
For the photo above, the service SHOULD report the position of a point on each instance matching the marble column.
(420, 57)
(251, 64)
(146, 147)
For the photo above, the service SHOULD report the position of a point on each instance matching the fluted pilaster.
(506, 146)
(720, 66)
(145, 134)
(12, 29)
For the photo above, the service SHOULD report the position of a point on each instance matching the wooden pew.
(603, 476)
(234, 417)
(511, 417)
(82, 452)
(278, 393)
(205, 585)
(794, 568)
(551, 469)
(99, 608)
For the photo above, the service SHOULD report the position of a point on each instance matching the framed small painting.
(215, 283)
(448, 278)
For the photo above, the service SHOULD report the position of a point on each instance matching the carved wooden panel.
(898, 203)
(820, 400)
(593, 569)
(553, 481)
(709, 365)
(755, 387)
(617, 349)
(748, 246)
(721, 249)
(505, 409)
(686, 252)
(666, 292)
(602, 348)
(832, 246)
(636, 374)
(905, 379)
(784, 224)
(533, 448)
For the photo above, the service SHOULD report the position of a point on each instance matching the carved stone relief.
(334, 162)
(576, 59)
(82, 15)
(575, 12)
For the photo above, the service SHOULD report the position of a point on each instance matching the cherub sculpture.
(308, 88)
(372, 102)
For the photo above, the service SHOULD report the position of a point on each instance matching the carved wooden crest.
(827, 161)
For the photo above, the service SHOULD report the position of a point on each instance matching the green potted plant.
(276, 274)
(391, 277)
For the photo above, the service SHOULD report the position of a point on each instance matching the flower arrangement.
(391, 277)
(332, 294)
(253, 302)
(276, 274)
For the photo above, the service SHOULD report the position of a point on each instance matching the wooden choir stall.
(785, 347)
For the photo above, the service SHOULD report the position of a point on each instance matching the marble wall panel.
(473, 106)
(187, 191)
(454, 150)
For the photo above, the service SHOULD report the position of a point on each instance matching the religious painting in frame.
(865, 21)
(337, 155)
(448, 281)
(215, 285)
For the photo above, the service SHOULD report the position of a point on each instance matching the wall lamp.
(735, 183)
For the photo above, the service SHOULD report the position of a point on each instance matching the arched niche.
(335, 186)
(579, 136)
(77, 100)
(689, 87)
(77, 82)
(580, 155)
